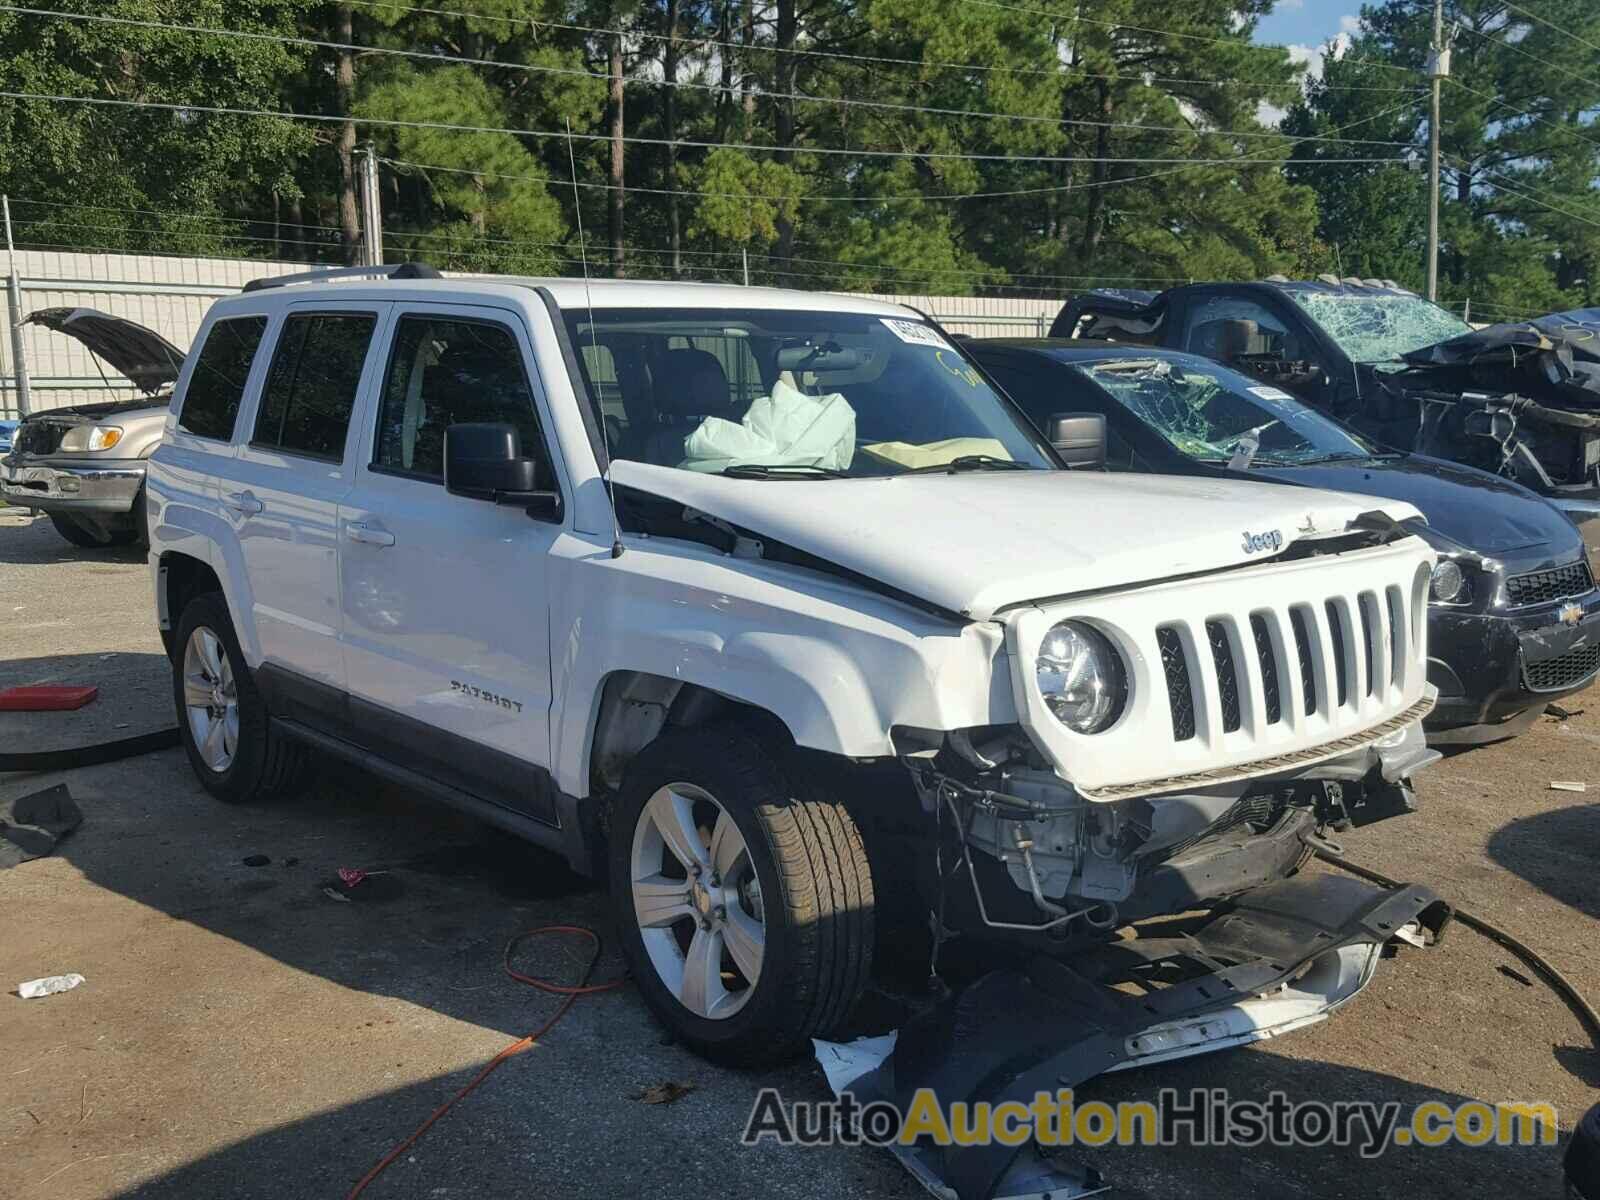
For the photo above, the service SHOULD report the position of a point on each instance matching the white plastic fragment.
(1557, 785)
(48, 986)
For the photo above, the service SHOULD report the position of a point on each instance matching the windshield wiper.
(781, 471)
(972, 462)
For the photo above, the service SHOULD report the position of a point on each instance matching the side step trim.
(567, 842)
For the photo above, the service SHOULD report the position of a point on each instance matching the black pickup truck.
(1520, 400)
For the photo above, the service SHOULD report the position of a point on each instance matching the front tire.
(222, 718)
(744, 903)
(77, 534)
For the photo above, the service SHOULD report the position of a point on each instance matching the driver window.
(442, 372)
(1217, 329)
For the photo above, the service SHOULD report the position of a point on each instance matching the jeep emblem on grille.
(1272, 539)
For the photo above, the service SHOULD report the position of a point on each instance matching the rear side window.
(311, 388)
(442, 372)
(216, 386)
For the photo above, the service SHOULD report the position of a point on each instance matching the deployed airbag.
(788, 427)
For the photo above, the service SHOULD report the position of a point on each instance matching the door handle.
(368, 535)
(243, 502)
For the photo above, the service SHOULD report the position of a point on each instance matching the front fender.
(838, 665)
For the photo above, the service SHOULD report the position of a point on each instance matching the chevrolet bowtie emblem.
(1571, 614)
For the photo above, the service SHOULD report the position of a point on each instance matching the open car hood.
(149, 361)
(978, 542)
(1554, 358)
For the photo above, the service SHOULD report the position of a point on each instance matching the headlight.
(1080, 675)
(1449, 585)
(81, 438)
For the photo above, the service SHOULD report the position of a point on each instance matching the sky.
(1305, 26)
(1306, 22)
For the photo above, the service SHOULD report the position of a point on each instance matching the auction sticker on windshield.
(1270, 393)
(915, 333)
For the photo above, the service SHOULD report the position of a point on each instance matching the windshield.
(764, 394)
(1208, 413)
(1379, 328)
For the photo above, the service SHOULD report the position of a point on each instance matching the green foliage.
(1077, 81)
(1520, 219)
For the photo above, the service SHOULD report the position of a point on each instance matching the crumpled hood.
(148, 360)
(978, 542)
(1554, 357)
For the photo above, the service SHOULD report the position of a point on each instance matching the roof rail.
(410, 270)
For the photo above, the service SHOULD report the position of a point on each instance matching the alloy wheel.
(210, 699)
(697, 901)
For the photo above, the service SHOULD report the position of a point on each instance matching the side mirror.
(483, 461)
(1080, 439)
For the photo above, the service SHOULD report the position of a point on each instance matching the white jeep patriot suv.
(768, 607)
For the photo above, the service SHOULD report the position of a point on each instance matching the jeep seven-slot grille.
(1227, 677)
(1370, 624)
(1369, 620)
(1341, 669)
(1302, 646)
(1269, 668)
(1180, 693)
(1564, 670)
(1542, 587)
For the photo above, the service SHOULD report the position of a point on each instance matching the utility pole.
(1438, 69)
(371, 208)
(19, 361)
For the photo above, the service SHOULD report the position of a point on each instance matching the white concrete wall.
(171, 295)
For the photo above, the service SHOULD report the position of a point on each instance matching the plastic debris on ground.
(46, 698)
(1030, 1177)
(664, 1093)
(33, 989)
(352, 884)
(1558, 785)
(32, 826)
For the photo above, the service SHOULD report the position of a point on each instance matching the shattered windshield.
(762, 394)
(1212, 414)
(1378, 328)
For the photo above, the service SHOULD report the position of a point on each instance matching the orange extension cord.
(571, 991)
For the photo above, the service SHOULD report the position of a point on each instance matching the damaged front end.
(1023, 857)
(1282, 957)
(1520, 400)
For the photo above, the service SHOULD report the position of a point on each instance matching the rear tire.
(222, 718)
(775, 860)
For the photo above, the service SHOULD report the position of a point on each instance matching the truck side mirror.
(1080, 439)
(483, 461)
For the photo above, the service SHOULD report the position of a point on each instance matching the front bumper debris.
(84, 487)
(1280, 958)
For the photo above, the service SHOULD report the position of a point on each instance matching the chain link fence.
(171, 295)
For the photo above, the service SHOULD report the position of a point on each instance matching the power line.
(1554, 124)
(837, 101)
(766, 48)
(1529, 198)
(466, 242)
(387, 123)
(156, 212)
(1531, 15)
(1531, 57)
(909, 198)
